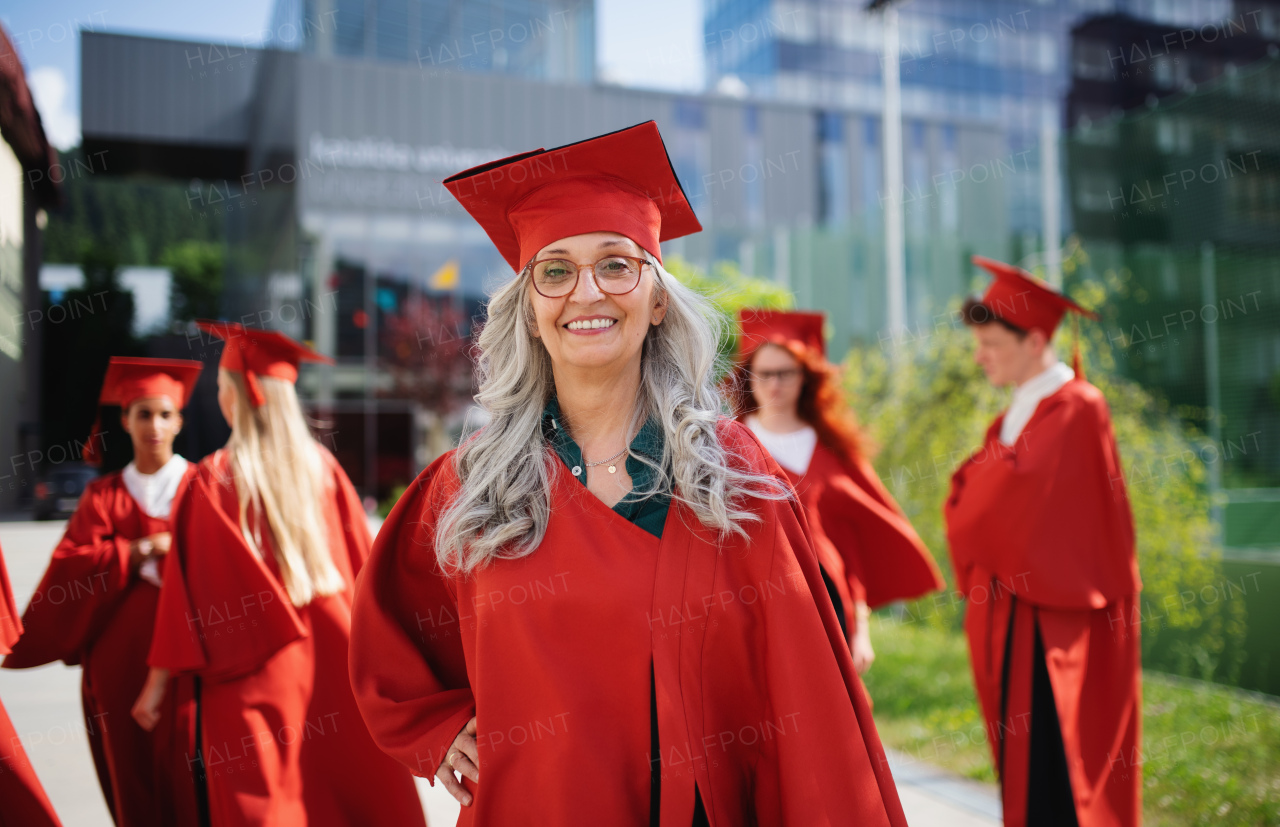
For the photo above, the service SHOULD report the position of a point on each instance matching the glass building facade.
(545, 39)
(999, 62)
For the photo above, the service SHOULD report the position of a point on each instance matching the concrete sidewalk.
(44, 704)
(932, 796)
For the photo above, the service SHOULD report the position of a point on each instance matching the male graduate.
(1041, 535)
(96, 604)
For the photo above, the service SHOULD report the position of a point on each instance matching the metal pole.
(1209, 292)
(895, 254)
(370, 380)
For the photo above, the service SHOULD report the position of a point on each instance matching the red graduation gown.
(1042, 537)
(862, 539)
(281, 738)
(89, 609)
(757, 700)
(23, 802)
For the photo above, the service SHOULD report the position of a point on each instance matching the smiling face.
(589, 329)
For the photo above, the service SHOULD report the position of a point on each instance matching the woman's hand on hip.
(463, 757)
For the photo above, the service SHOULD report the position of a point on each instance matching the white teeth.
(591, 324)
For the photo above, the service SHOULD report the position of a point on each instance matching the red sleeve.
(222, 613)
(86, 578)
(1048, 515)
(408, 670)
(999, 494)
(173, 644)
(885, 560)
(10, 625)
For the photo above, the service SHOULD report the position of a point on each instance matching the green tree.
(729, 291)
(140, 217)
(197, 268)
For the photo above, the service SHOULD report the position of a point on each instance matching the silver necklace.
(613, 466)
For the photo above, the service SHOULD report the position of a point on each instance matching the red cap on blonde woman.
(622, 182)
(254, 352)
(761, 326)
(129, 379)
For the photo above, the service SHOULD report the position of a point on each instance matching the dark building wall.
(167, 107)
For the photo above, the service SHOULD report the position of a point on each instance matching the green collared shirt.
(648, 512)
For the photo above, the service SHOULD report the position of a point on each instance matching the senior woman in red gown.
(605, 607)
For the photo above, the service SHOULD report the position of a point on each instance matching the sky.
(653, 44)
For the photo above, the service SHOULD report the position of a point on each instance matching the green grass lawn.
(1211, 753)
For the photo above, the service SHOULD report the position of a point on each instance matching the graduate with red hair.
(784, 389)
(96, 604)
(268, 537)
(1042, 538)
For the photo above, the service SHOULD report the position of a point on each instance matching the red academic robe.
(1042, 538)
(23, 802)
(90, 609)
(863, 541)
(281, 738)
(756, 696)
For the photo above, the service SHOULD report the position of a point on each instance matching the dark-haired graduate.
(783, 388)
(96, 604)
(1042, 538)
(23, 801)
(268, 537)
(604, 607)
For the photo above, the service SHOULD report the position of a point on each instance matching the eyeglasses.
(784, 376)
(558, 277)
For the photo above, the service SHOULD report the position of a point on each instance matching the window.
(872, 170)
(833, 175)
(393, 29)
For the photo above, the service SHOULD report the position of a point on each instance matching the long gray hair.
(503, 505)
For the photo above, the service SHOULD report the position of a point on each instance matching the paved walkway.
(44, 704)
(931, 796)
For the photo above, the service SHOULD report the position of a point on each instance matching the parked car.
(59, 489)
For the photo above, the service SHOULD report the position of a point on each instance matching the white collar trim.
(1027, 397)
(154, 492)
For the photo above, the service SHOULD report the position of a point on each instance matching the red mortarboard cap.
(256, 352)
(1023, 300)
(129, 379)
(621, 182)
(760, 326)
